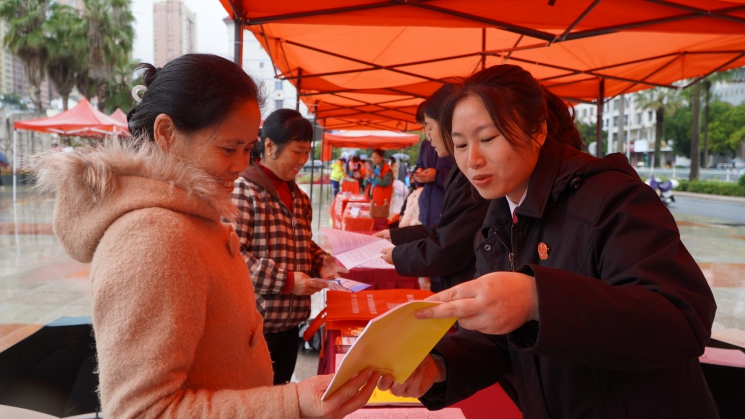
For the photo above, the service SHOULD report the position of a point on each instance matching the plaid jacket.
(275, 240)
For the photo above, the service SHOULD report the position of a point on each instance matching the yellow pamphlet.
(385, 398)
(393, 343)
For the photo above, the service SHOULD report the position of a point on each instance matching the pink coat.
(174, 313)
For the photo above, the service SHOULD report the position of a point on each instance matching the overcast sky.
(212, 34)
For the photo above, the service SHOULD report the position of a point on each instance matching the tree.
(728, 130)
(119, 88)
(25, 39)
(695, 130)
(707, 82)
(67, 44)
(588, 133)
(660, 100)
(110, 34)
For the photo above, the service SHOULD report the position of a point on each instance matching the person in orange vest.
(379, 180)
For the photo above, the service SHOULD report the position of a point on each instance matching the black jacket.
(445, 250)
(624, 309)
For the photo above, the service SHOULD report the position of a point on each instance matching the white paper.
(341, 240)
(359, 255)
(727, 357)
(407, 413)
(378, 263)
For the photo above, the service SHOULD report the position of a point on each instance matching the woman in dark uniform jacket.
(588, 296)
(444, 250)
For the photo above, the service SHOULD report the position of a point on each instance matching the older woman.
(274, 232)
(177, 332)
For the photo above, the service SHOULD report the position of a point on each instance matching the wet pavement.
(40, 283)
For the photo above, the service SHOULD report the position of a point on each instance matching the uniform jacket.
(446, 249)
(624, 310)
(275, 240)
(430, 202)
(174, 315)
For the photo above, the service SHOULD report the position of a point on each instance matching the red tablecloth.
(383, 279)
(353, 186)
(339, 204)
(361, 221)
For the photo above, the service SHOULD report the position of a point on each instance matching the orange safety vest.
(381, 194)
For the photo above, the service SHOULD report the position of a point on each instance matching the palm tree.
(110, 34)
(660, 100)
(25, 39)
(67, 45)
(725, 76)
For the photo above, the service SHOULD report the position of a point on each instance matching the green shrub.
(713, 188)
(741, 181)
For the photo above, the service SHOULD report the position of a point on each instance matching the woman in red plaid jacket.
(274, 230)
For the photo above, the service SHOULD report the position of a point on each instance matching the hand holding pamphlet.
(354, 249)
(342, 284)
(393, 343)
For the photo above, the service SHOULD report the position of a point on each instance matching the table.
(351, 186)
(339, 204)
(356, 217)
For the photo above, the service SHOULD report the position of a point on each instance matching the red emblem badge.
(542, 251)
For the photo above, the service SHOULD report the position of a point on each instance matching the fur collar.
(97, 185)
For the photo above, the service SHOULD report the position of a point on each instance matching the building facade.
(638, 125)
(175, 31)
(256, 62)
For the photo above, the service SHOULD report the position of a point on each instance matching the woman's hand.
(426, 175)
(387, 255)
(304, 286)
(495, 304)
(350, 397)
(331, 269)
(384, 234)
(420, 381)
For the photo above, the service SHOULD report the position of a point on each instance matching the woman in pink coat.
(174, 313)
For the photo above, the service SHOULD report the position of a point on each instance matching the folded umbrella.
(52, 371)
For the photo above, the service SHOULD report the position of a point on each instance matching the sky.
(212, 34)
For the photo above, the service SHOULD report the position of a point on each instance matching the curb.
(708, 197)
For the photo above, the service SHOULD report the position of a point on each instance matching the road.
(728, 212)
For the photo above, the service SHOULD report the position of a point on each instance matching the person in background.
(432, 172)
(355, 170)
(379, 179)
(586, 292)
(444, 253)
(394, 165)
(177, 332)
(337, 173)
(274, 232)
(410, 216)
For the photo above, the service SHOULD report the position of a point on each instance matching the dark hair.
(432, 107)
(379, 152)
(517, 104)
(196, 90)
(392, 159)
(283, 126)
(420, 114)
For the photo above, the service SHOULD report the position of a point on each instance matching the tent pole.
(599, 120)
(237, 8)
(15, 162)
(299, 81)
(483, 48)
(320, 194)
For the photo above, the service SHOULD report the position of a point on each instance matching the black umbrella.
(51, 371)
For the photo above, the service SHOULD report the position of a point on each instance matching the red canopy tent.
(386, 140)
(83, 120)
(119, 115)
(368, 63)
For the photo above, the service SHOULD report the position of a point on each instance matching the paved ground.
(39, 282)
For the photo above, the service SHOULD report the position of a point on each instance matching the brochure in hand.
(393, 343)
(354, 249)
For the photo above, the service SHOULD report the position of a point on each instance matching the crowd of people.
(568, 277)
